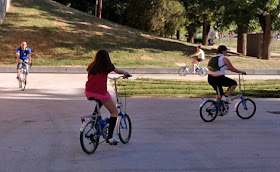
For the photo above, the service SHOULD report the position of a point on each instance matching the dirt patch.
(180, 64)
(145, 57)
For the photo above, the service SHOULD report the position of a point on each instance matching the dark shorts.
(220, 81)
(199, 60)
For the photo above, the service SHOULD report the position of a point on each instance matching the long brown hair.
(101, 63)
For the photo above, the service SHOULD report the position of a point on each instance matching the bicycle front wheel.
(183, 71)
(23, 82)
(246, 108)
(125, 128)
(88, 142)
(208, 111)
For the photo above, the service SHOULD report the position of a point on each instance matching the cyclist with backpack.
(216, 77)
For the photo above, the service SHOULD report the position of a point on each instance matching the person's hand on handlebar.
(243, 72)
(126, 75)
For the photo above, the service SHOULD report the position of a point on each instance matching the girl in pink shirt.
(96, 87)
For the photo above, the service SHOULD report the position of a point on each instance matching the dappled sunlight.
(104, 26)
(147, 36)
(58, 35)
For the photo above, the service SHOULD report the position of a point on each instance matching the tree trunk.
(178, 34)
(267, 38)
(206, 29)
(242, 39)
(191, 36)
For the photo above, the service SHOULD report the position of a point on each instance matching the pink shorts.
(101, 97)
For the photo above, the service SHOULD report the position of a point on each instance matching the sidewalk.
(82, 70)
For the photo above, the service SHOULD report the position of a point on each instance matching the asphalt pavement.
(39, 131)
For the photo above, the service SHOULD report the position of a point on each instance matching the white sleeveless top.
(201, 54)
(222, 71)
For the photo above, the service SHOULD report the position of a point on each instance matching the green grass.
(61, 36)
(178, 88)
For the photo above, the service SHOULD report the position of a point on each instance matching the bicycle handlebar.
(30, 64)
(123, 77)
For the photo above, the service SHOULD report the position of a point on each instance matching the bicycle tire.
(244, 106)
(19, 83)
(23, 81)
(88, 139)
(183, 71)
(200, 72)
(125, 128)
(205, 71)
(208, 109)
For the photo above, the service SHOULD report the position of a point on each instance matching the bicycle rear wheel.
(88, 142)
(124, 128)
(183, 71)
(208, 111)
(246, 108)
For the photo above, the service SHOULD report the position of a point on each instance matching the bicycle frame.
(119, 105)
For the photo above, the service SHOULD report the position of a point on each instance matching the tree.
(240, 12)
(206, 12)
(268, 14)
(161, 17)
(174, 17)
(192, 20)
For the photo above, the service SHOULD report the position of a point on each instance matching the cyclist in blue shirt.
(23, 54)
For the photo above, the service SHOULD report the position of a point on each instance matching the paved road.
(39, 131)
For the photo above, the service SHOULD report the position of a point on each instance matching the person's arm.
(119, 71)
(29, 55)
(195, 54)
(29, 58)
(231, 67)
(17, 55)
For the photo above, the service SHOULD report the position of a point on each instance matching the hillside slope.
(59, 35)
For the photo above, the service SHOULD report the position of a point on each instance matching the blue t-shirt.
(23, 54)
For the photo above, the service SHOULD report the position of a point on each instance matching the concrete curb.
(82, 70)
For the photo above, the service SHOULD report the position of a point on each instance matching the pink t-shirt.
(97, 83)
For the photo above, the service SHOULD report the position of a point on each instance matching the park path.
(40, 130)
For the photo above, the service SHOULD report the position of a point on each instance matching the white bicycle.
(202, 71)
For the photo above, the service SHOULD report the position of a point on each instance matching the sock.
(112, 124)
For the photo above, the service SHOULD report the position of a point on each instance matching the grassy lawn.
(178, 88)
(61, 36)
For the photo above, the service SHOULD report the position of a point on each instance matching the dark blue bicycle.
(93, 126)
(245, 108)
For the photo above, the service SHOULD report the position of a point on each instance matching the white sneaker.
(226, 99)
(193, 72)
(113, 141)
